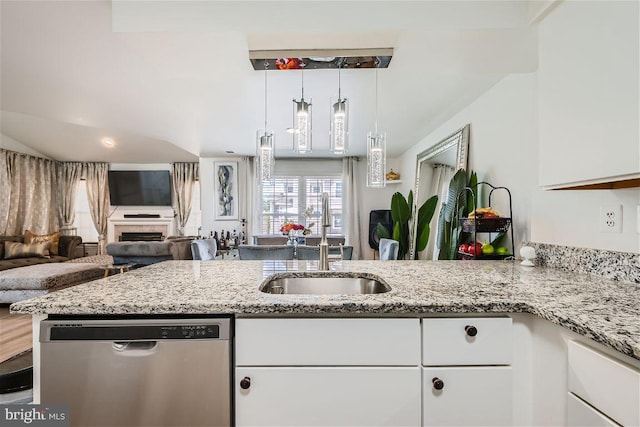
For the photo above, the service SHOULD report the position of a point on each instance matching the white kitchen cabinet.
(467, 341)
(468, 396)
(588, 89)
(610, 386)
(467, 380)
(581, 414)
(327, 372)
(327, 342)
(328, 396)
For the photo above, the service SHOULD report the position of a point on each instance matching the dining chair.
(313, 252)
(388, 249)
(279, 252)
(204, 249)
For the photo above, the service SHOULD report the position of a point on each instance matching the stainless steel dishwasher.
(139, 372)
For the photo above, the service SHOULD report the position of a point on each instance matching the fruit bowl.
(485, 225)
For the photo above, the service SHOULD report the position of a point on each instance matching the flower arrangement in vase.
(292, 230)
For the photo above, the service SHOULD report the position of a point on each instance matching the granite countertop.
(604, 310)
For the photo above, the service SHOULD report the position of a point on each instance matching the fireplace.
(148, 236)
(148, 229)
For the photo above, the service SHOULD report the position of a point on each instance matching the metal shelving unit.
(492, 226)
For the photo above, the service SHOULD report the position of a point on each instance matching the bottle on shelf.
(228, 242)
(243, 234)
(234, 237)
(215, 237)
(222, 241)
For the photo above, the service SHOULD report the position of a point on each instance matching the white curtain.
(98, 195)
(246, 195)
(69, 174)
(351, 204)
(28, 197)
(439, 185)
(183, 178)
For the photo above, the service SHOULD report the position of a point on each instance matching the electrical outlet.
(611, 219)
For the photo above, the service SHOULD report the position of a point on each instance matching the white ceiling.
(171, 80)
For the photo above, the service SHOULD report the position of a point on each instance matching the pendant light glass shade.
(376, 153)
(376, 159)
(301, 124)
(339, 136)
(265, 141)
(340, 126)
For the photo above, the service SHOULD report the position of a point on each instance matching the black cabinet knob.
(245, 383)
(438, 384)
(472, 331)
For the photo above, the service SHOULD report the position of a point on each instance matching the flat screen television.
(140, 188)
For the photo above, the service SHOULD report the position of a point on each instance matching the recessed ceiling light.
(229, 151)
(108, 142)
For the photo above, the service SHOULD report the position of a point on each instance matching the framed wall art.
(225, 199)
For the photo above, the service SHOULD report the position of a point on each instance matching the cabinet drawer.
(470, 396)
(322, 396)
(327, 342)
(447, 342)
(605, 383)
(580, 414)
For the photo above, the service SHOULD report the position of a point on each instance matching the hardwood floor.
(15, 333)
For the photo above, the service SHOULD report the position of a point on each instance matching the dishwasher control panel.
(100, 330)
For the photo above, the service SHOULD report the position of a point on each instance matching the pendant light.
(265, 139)
(302, 123)
(376, 152)
(339, 122)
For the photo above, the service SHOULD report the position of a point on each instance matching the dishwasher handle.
(137, 348)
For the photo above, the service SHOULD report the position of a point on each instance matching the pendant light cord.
(339, 84)
(302, 78)
(266, 66)
(376, 100)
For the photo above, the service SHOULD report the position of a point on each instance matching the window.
(299, 199)
(83, 221)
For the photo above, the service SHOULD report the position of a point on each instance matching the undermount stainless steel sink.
(315, 285)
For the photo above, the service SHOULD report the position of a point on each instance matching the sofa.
(66, 250)
(144, 253)
(29, 275)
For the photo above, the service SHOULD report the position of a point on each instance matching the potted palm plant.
(403, 219)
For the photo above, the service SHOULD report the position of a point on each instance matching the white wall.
(503, 150)
(11, 144)
(376, 198)
(502, 145)
(207, 196)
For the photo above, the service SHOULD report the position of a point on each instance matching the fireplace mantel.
(118, 225)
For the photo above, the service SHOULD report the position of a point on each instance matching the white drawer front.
(471, 396)
(327, 342)
(580, 414)
(446, 342)
(607, 384)
(287, 396)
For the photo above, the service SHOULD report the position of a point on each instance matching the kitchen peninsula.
(547, 311)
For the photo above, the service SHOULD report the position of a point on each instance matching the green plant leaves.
(423, 230)
(457, 184)
(403, 216)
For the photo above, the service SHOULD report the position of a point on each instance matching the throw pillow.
(54, 238)
(23, 250)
